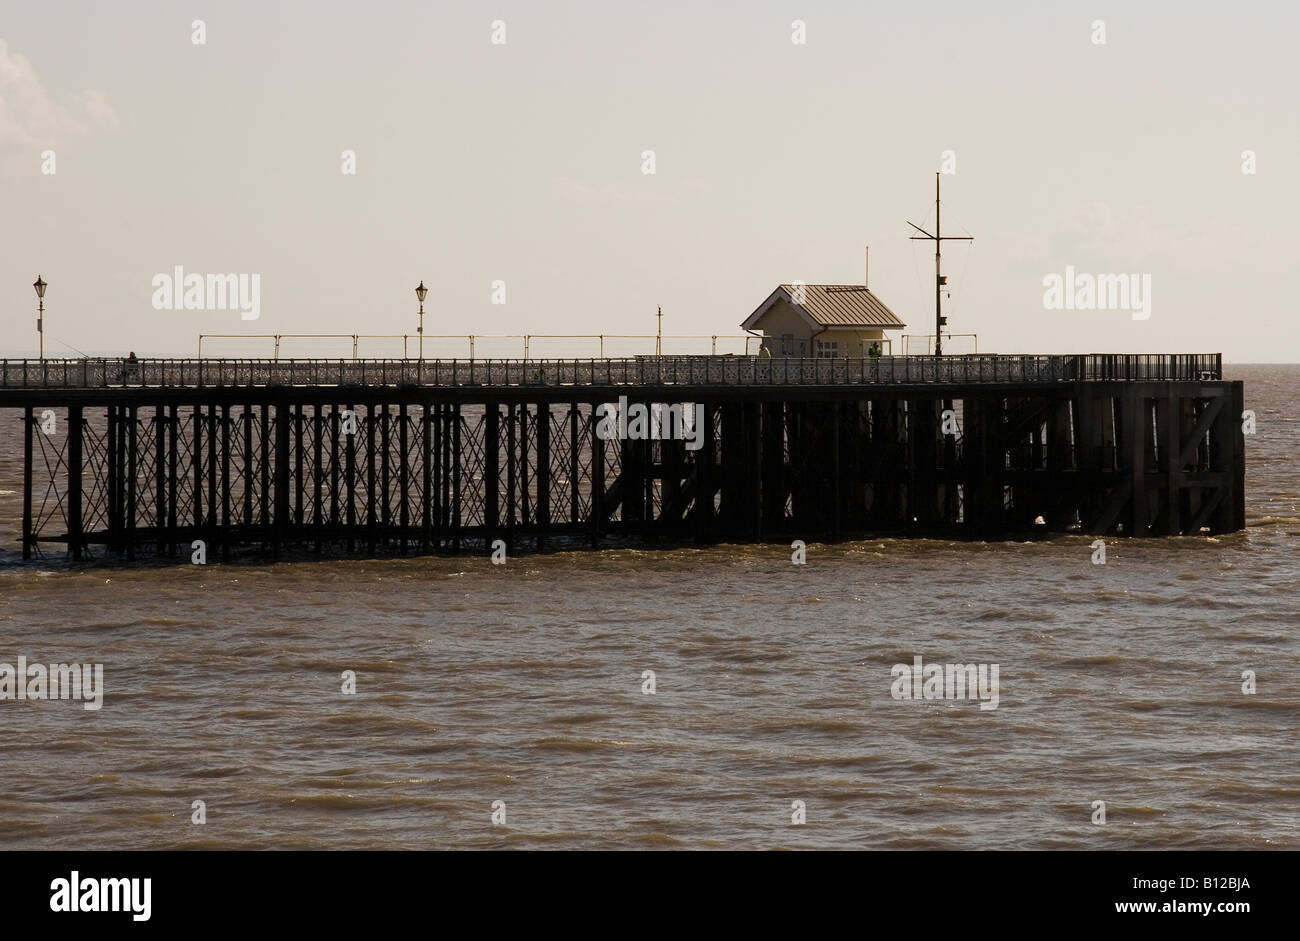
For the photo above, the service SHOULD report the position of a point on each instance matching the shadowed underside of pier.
(375, 470)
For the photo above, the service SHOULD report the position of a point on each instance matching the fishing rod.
(75, 350)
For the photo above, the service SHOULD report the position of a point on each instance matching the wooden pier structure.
(372, 457)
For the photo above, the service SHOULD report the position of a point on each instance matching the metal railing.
(907, 344)
(637, 371)
(467, 344)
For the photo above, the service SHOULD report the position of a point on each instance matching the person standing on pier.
(130, 367)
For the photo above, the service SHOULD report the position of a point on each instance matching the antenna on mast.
(939, 280)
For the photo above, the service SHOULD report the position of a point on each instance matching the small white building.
(827, 321)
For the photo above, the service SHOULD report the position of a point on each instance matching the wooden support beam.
(196, 466)
(856, 445)
(1228, 457)
(403, 471)
(75, 491)
(332, 422)
(133, 469)
(753, 470)
(28, 481)
(210, 533)
(1134, 409)
(119, 480)
(268, 498)
(972, 458)
(512, 462)
(1196, 439)
(953, 445)
(112, 477)
(173, 482)
(160, 501)
(250, 489)
(597, 515)
(920, 463)
(491, 473)
(350, 451)
(732, 468)
(1058, 500)
(449, 447)
(1209, 504)
(993, 455)
(372, 518)
(705, 491)
(1168, 424)
(427, 453)
(543, 472)
(646, 455)
(574, 501)
(525, 512)
(438, 498)
(318, 453)
(227, 431)
(299, 481)
(672, 471)
(772, 423)
(1112, 509)
(1087, 452)
(385, 492)
(837, 492)
(283, 432)
(630, 486)
(882, 445)
(456, 497)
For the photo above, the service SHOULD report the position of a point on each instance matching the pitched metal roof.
(832, 305)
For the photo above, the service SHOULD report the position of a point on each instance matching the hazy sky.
(522, 162)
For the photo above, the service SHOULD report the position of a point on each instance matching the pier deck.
(382, 456)
(641, 370)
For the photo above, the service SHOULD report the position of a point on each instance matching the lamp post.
(420, 293)
(40, 286)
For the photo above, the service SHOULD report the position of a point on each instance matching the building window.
(787, 344)
(828, 349)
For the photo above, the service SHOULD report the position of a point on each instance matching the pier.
(374, 457)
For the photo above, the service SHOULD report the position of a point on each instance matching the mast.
(939, 280)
